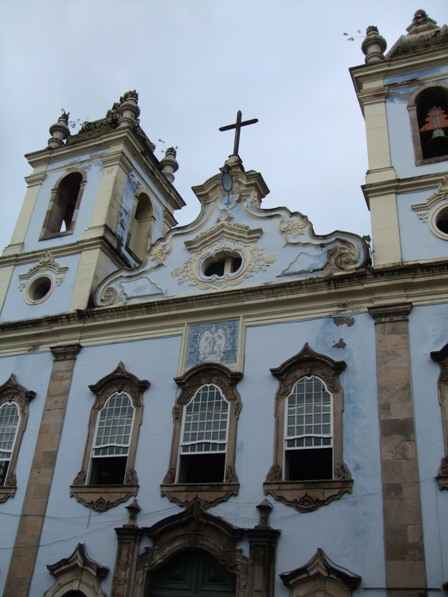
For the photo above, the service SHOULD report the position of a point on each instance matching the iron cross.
(237, 126)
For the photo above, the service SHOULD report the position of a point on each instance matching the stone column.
(403, 528)
(38, 489)
(262, 547)
(129, 536)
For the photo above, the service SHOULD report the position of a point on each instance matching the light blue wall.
(69, 522)
(16, 307)
(94, 170)
(356, 516)
(32, 372)
(418, 242)
(428, 328)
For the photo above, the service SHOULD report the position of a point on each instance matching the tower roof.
(423, 35)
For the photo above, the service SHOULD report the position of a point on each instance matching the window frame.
(305, 436)
(140, 230)
(12, 392)
(415, 128)
(308, 495)
(208, 493)
(101, 497)
(441, 357)
(52, 217)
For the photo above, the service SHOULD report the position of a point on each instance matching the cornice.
(411, 63)
(346, 294)
(119, 140)
(402, 185)
(75, 248)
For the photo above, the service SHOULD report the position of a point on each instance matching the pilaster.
(37, 492)
(402, 518)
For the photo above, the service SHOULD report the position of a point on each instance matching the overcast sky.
(194, 64)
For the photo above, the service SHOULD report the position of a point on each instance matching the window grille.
(205, 422)
(9, 424)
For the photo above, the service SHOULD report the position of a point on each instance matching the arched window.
(140, 226)
(202, 461)
(203, 449)
(308, 470)
(112, 440)
(64, 205)
(14, 410)
(309, 431)
(9, 426)
(428, 110)
(108, 477)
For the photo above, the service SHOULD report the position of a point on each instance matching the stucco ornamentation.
(293, 228)
(159, 253)
(436, 205)
(46, 272)
(253, 260)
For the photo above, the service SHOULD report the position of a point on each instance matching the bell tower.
(403, 95)
(96, 201)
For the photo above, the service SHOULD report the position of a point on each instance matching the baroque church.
(236, 407)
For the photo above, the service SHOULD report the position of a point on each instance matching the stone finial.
(133, 510)
(59, 131)
(421, 23)
(373, 46)
(264, 510)
(128, 110)
(169, 164)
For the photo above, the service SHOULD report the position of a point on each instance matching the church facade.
(238, 406)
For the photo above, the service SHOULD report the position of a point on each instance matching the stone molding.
(307, 496)
(193, 529)
(321, 576)
(77, 573)
(101, 498)
(441, 357)
(390, 313)
(12, 391)
(207, 494)
(65, 353)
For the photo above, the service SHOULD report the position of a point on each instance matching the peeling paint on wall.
(340, 343)
(343, 320)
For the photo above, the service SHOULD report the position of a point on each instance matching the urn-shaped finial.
(59, 131)
(128, 110)
(373, 46)
(169, 164)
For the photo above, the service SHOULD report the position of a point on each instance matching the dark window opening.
(309, 464)
(4, 466)
(202, 468)
(63, 205)
(432, 116)
(108, 471)
(442, 221)
(222, 263)
(39, 289)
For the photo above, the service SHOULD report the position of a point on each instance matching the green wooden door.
(192, 573)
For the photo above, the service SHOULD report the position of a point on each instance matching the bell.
(439, 141)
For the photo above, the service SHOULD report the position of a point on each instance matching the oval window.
(221, 264)
(39, 289)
